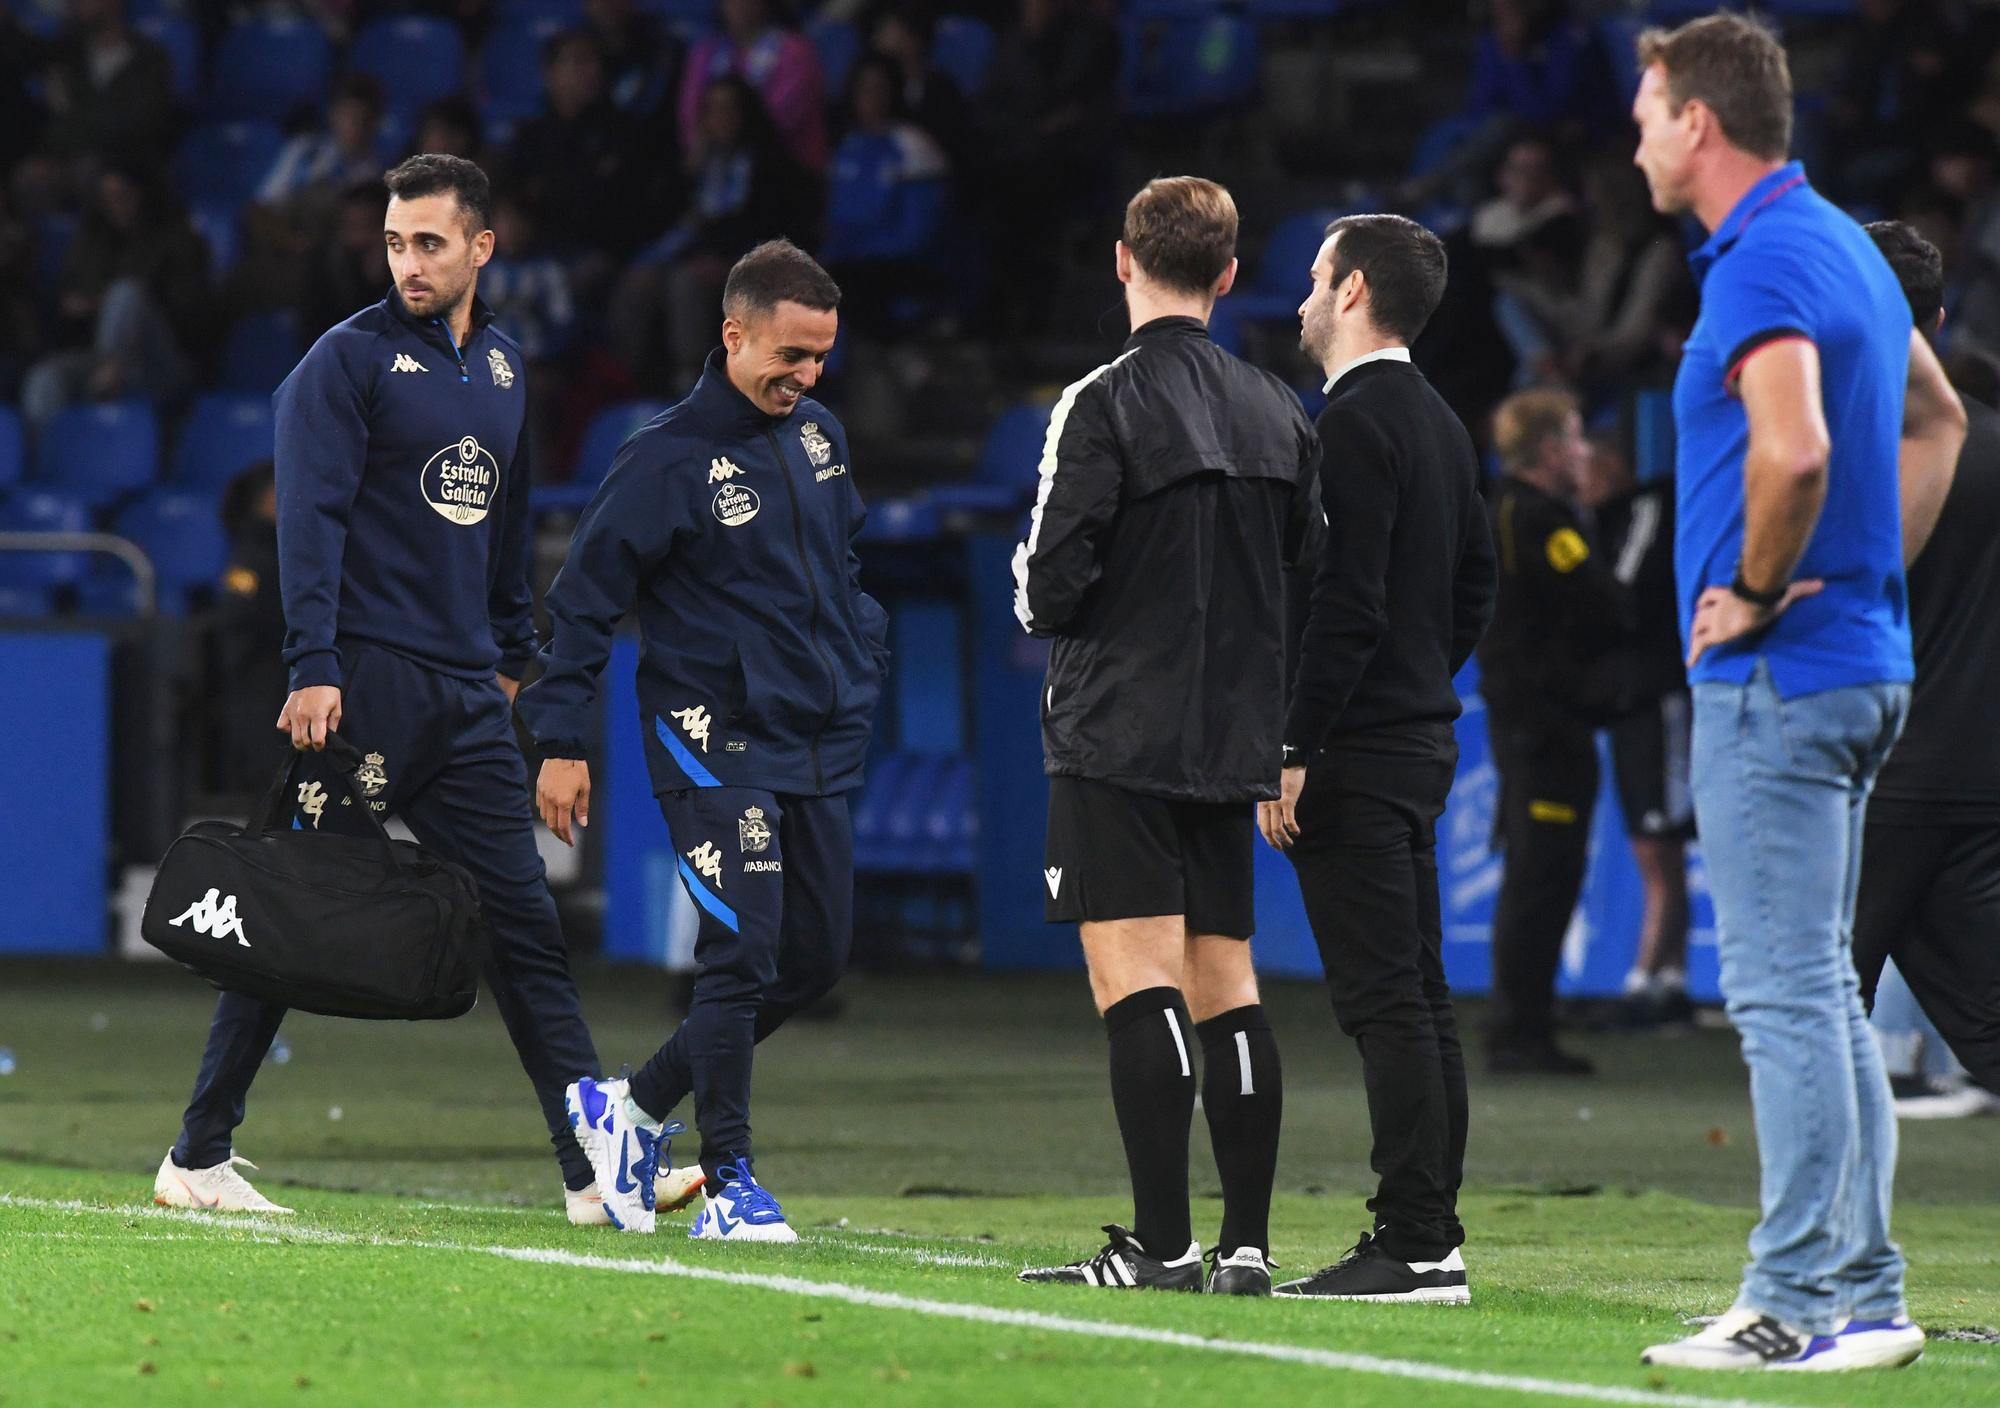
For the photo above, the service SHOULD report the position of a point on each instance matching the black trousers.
(1548, 787)
(1367, 863)
(1930, 899)
(442, 755)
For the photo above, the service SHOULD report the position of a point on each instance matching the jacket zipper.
(812, 583)
(457, 356)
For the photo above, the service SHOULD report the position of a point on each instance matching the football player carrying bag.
(347, 926)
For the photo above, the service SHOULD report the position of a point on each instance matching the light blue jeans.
(1780, 788)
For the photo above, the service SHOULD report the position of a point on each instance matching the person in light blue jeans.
(1781, 786)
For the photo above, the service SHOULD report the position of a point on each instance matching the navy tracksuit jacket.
(760, 665)
(402, 481)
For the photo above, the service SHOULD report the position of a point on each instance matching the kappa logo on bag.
(218, 921)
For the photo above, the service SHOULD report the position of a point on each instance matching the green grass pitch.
(942, 1133)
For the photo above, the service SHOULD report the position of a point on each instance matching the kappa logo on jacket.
(406, 363)
(721, 468)
(694, 723)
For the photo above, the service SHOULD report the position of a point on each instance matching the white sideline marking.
(268, 1228)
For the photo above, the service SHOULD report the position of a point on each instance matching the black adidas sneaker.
(1242, 1273)
(1123, 1265)
(1369, 1273)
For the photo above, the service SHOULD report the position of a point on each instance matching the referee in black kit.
(1402, 591)
(402, 478)
(1174, 479)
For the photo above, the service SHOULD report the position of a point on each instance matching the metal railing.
(105, 544)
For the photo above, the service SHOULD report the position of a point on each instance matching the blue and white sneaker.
(740, 1211)
(1886, 1344)
(623, 1145)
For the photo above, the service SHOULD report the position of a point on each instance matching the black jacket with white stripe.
(1176, 484)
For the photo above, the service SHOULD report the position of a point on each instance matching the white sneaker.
(675, 1188)
(1750, 1339)
(740, 1211)
(1950, 1103)
(1883, 1344)
(218, 1189)
(623, 1147)
(585, 1207)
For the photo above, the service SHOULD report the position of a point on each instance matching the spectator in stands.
(1527, 237)
(250, 629)
(640, 59)
(1615, 317)
(888, 198)
(350, 265)
(779, 63)
(1048, 121)
(746, 188)
(904, 32)
(449, 126)
(1529, 193)
(574, 167)
(316, 166)
(132, 289)
(528, 288)
(110, 89)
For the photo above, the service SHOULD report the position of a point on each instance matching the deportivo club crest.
(753, 832)
(372, 775)
(503, 375)
(819, 449)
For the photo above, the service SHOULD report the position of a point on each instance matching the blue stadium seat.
(510, 67)
(838, 44)
(261, 352)
(222, 436)
(903, 520)
(963, 48)
(183, 45)
(13, 449)
(224, 163)
(1013, 451)
(100, 452)
(610, 428)
(1653, 435)
(181, 531)
(220, 231)
(416, 59)
(1187, 67)
(40, 511)
(1284, 272)
(269, 69)
(871, 811)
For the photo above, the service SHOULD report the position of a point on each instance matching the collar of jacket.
(718, 404)
(481, 314)
(1175, 325)
(1361, 372)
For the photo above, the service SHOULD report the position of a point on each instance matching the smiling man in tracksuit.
(402, 479)
(728, 522)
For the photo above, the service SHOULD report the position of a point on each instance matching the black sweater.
(1404, 584)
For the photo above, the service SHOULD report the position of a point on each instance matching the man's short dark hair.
(777, 271)
(1403, 263)
(434, 174)
(1737, 68)
(1919, 269)
(1182, 231)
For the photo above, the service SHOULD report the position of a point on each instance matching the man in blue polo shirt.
(1798, 388)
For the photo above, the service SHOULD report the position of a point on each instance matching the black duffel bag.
(347, 926)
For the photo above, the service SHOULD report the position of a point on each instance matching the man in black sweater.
(1930, 857)
(1402, 591)
(1559, 609)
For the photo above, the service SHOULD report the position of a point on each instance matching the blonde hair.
(1527, 420)
(1182, 231)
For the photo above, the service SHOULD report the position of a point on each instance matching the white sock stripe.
(1180, 1044)
(280, 1233)
(1243, 1062)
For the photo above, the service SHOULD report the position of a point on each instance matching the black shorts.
(1115, 854)
(1649, 757)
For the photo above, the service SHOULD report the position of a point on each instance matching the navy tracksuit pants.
(773, 877)
(442, 755)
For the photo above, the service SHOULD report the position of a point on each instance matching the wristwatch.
(1293, 756)
(1766, 600)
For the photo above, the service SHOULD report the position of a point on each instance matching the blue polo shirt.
(1787, 263)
